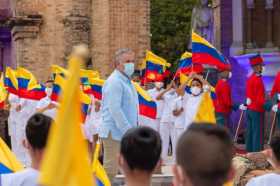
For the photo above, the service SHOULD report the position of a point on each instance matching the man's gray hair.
(120, 52)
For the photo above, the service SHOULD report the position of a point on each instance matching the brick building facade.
(37, 33)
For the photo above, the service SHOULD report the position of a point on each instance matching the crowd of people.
(201, 152)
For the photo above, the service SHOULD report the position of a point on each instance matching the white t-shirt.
(168, 99)
(154, 93)
(179, 120)
(191, 105)
(44, 102)
(271, 179)
(27, 177)
(92, 123)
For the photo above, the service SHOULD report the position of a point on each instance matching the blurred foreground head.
(204, 156)
(140, 151)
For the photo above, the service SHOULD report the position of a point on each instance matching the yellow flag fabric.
(183, 78)
(12, 76)
(98, 170)
(89, 74)
(153, 58)
(3, 92)
(59, 70)
(206, 111)
(8, 161)
(66, 160)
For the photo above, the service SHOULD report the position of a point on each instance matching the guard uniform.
(255, 94)
(275, 96)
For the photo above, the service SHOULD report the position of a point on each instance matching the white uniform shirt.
(44, 102)
(271, 179)
(179, 120)
(154, 93)
(191, 105)
(27, 177)
(168, 99)
(13, 101)
(93, 122)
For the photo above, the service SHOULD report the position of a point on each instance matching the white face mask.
(195, 91)
(230, 75)
(159, 85)
(48, 91)
(129, 69)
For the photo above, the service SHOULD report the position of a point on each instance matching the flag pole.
(207, 74)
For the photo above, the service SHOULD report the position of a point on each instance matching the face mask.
(195, 91)
(129, 69)
(230, 75)
(263, 69)
(158, 85)
(48, 91)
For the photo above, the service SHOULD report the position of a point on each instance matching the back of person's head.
(204, 154)
(275, 146)
(141, 149)
(37, 130)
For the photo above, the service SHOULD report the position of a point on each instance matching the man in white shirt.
(273, 156)
(167, 130)
(37, 130)
(154, 93)
(45, 105)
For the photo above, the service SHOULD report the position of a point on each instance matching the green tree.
(170, 28)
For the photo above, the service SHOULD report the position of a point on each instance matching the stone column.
(237, 22)
(250, 8)
(24, 33)
(269, 9)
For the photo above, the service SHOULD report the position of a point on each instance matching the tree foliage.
(171, 27)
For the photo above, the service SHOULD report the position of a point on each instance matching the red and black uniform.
(274, 96)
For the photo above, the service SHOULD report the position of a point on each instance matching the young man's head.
(37, 130)
(204, 153)
(140, 151)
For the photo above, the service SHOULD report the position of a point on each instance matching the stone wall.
(105, 25)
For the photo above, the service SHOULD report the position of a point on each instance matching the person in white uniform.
(167, 130)
(92, 123)
(13, 121)
(37, 130)
(273, 156)
(154, 93)
(179, 115)
(192, 92)
(46, 105)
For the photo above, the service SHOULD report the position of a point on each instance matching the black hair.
(141, 148)
(275, 146)
(37, 130)
(205, 152)
(198, 80)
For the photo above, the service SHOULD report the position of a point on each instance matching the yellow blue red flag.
(10, 81)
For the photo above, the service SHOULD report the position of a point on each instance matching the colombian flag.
(27, 85)
(10, 81)
(57, 86)
(88, 74)
(185, 63)
(98, 171)
(96, 85)
(3, 93)
(147, 107)
(155, 67)
(8, 161)
(86, 101)
(204, 53)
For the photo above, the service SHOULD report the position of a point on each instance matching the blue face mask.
(129, 69)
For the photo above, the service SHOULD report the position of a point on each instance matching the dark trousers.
(254, 131)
